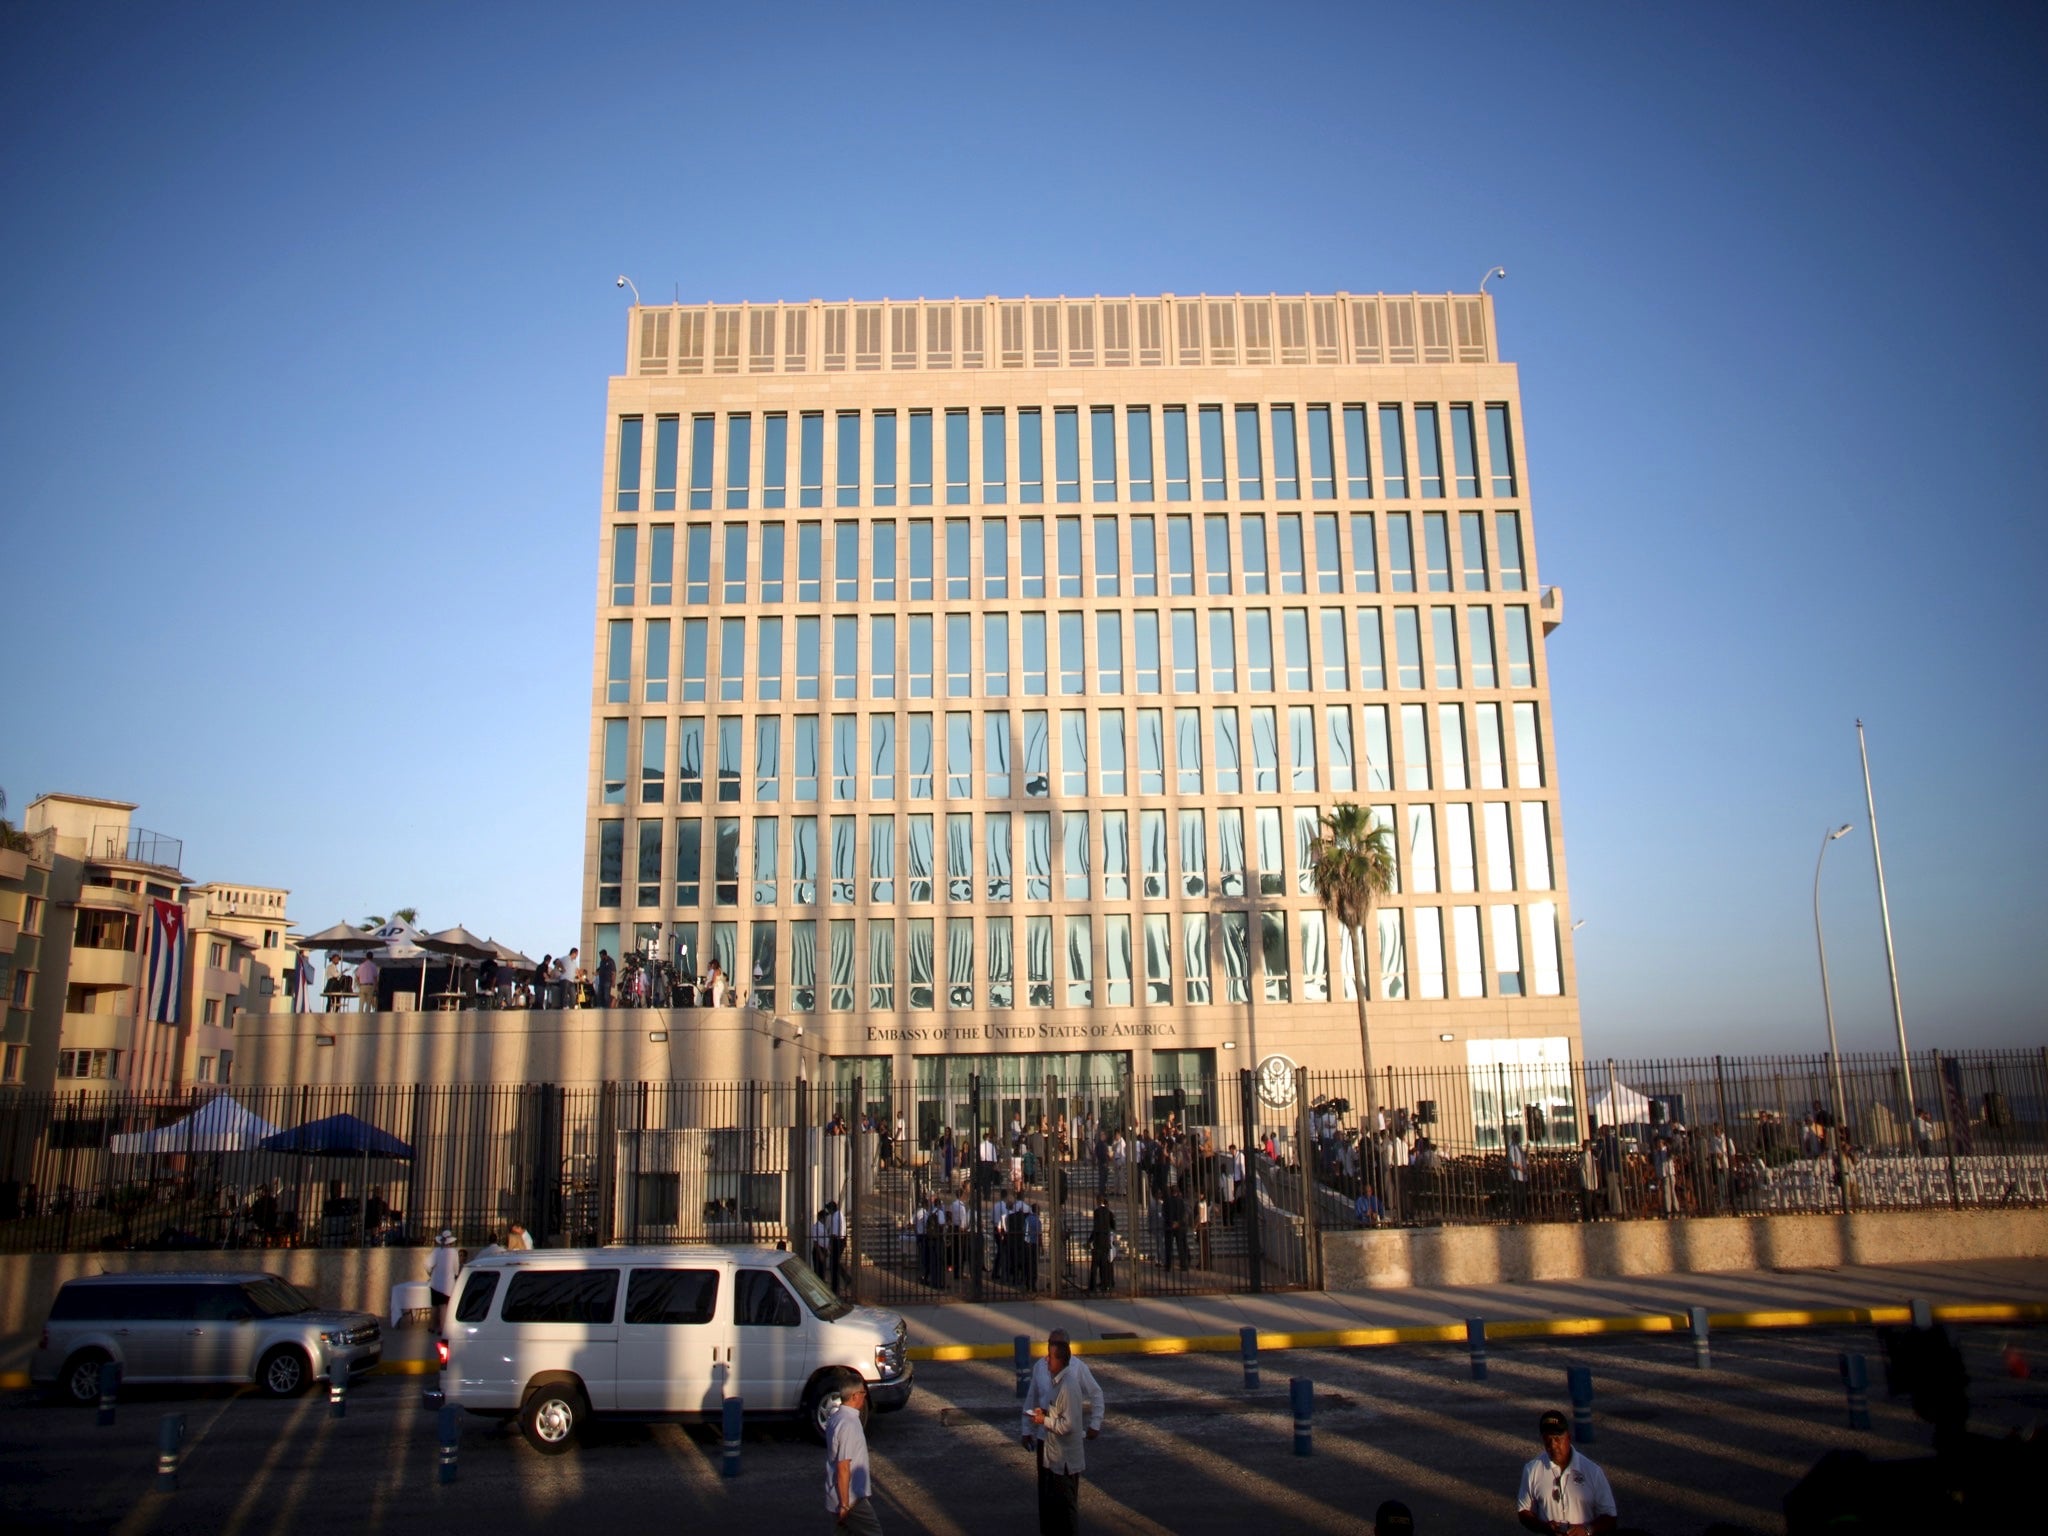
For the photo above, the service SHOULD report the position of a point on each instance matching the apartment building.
(970, 676)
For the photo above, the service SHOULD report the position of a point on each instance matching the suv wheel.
(551, 1417)
(821, 1400)
(283, 1372)
(79, 1385)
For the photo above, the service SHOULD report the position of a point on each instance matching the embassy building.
(970, 677)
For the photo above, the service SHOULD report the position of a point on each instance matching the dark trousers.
(1030, 1264)
(838, 1257)
(1059, 1502)
(1179, 1249)
(860, 1519)
(1101, 1270)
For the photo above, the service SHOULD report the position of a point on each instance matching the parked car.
(186, 1326)
(556, 1336)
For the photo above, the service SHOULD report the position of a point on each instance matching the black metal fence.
(1141, 1188)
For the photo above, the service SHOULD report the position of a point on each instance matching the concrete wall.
(1393, 1257)
(345, 1277)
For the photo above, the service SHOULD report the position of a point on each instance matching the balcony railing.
(137, 845)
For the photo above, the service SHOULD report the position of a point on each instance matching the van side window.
(477, 1292)
(165, 1303)
(679, 1296)
(561, 1296)
(219, 1303)
(759, 1301)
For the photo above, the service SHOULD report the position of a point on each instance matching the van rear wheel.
(821, 1400)
(551, 1417)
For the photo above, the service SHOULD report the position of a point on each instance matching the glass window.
(959, 557)
(846, 561)
(1002, 963)
(1472, 549)
(803, 962)
(1038, 856)
(1073, 752)
(1343, 770)
(1336, 657)
(806, 658)
(1357, 456)
(1507, 532)
(1521, 667)
(1444, 644)
(1322, 464)
(1080, 963)
(995, 557)
(569, 1296)
(1265, 750)
(807, 757)
(1151, 752)
(1329, 561)
(1543, 961)
(839, 970)
(1145, 649)
(732, 659)
(1429, 952)
(1414, 747)
(996, 830)
(881, 859)
(881, 974)
(703, 438)
(1286, 465)
(849, 459)
(920, 757)
(923, 978)
(725, 871)
(1222, 652)
(960, 857)
(1292, 575)
(1294, 637)
(1158, 958)
(1492, 772)
(921, 561)
(1069, 536)
(627, 474)
(1074, 852)
(920, 862)
(959, 756)
(995, 767)
(614, 760)
(885, 459)
(1144, 558)
(1108, 575)
(1215, 484)
(661, 564)
(1034, 654)
(657, 663)
(767, 861)
(1500, 449)
(611, 858)
(1393, 453)
(1528, 749)
(1400, 552)
(1112, 725)
(1458, 841)
(1137, 448)
(697, 565)
(995, 652)
(1180, 556)
(1037, 754)
(811, 460)
(729, 759)
(958, 470)
(690, 761)
(920, 655)
(1272, 869)
(696, 644)
(1464, 450)
(995, 464)
(1116, 956)
(771, 562)
(1186, 664)
(1479, 628)
(1031, 556)
(1187, 750)
(1428, 453)
(1507, 952)
(1066, 455)
(1301, 747)
(1194, 855)
(1216, 546)
(1436, 550)
(735, 562)
(882, 568)
(619, 661)
(1407, 648)
(1378, 755)
(809, 562)
(1175, 421)
(689, 861)
(1073, 665)
(739, 460)
(1195, 958)
(1251, 478)
(1031, 455)
(881, 757)
(1535, 845)
(775, 460)
(920, 457)
(664, 1297)
(653, 762)
(1229, 763)
(1450, 729)
(845, 658)
(1365, 570)
(625, 543)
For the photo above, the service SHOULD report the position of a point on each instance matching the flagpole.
(1891, 959)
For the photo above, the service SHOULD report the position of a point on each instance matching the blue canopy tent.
(338, 1136)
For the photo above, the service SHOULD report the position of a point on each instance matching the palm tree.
(371, 923)
(410, 916)
(1354, 867)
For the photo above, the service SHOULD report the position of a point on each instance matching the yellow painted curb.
(1510, 1328)
(13, 1381)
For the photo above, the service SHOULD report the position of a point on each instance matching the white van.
(556, 1335)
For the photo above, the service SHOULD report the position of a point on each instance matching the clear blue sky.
(308, 315)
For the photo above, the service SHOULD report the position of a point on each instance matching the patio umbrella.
(342, 939)
(458, 944)
(342, 1135)
(510, 957)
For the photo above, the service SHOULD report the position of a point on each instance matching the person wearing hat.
(1563, 1493)
(447, 1264)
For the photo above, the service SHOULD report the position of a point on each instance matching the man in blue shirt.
(846, 1466)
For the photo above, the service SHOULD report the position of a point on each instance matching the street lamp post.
(1826, 1002)
(1884, 908)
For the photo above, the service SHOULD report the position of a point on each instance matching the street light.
(1826, 1002)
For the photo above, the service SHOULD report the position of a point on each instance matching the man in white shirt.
(846, 1466)
(1562, 1493)
(835, 1233)
(366, 984)
(956, 1234)
(1062, 1409)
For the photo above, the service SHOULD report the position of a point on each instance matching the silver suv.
(199, 1327)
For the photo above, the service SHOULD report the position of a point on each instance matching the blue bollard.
(110, 1387)
(1856, 1383)
(1303, 1393)
(1578, 1380)
(337, 1397)
(1475, 1340)
(1021, 1347)
(735, 1415)
(1923, 1313)
(1248, 1346)
(170, 1435)
(1702, 1348)
(451, 1440)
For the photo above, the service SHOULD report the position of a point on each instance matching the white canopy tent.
(1619, 1104)
(220, 1125)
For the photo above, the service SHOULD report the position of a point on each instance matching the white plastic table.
(410, 1296)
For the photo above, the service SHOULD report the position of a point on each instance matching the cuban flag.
(302, 983)
(166, 962)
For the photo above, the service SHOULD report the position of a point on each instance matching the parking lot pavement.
(1187, 1449)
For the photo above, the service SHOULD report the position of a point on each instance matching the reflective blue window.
(661, 564)
(1357, 456)
(774, 460)
(628, 471)
(1066, 453)
(739, 461)
(885, 459)
(1500, 448)
(1286, 464)
(1030, 456)
(1215, 487)
(1507, 539)
(920, 458)
(703, 430)
(1322, 471)
(849, 459)
(1176, 424)
(625, 542)
(1251, 474)
(614, 792)
(1429, 453)
(995, 459)
(1393, 453)
(618, 670)
(667, 442)
(957, 483)
(811, 461)
(1464, 450)
(1138, 449)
